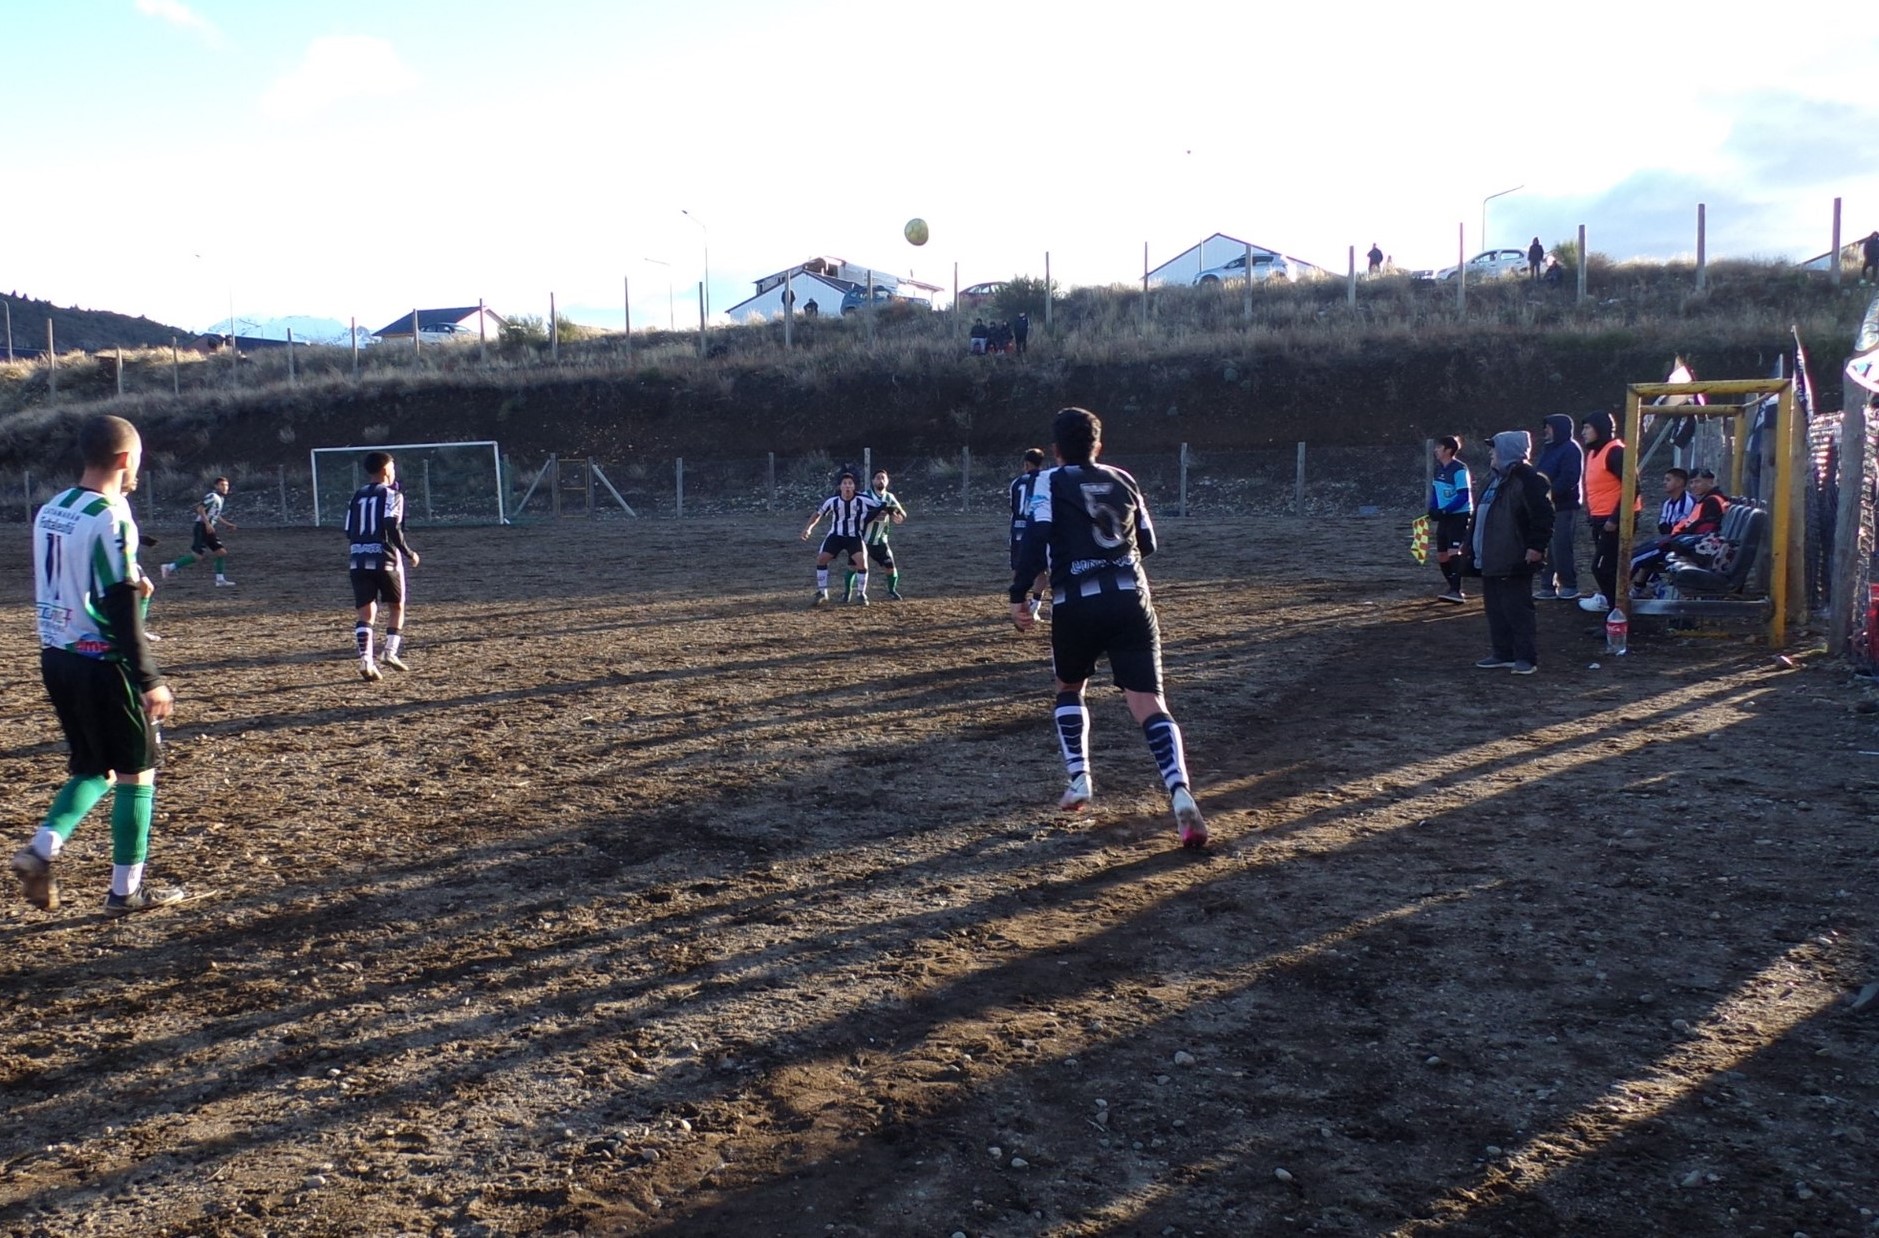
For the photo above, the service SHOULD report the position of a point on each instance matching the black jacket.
(1519, 518)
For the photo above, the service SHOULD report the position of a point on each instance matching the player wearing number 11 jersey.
(378, 550)
(1088, 525)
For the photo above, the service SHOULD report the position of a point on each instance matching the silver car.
(1265, 266)
(1488, 264)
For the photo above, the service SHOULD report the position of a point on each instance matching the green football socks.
(76, 798)
(130, 822)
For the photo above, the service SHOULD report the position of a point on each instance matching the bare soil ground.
(653, 902)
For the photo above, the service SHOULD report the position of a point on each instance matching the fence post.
(1246, 291)
(965, 479)
(1702, 242)
(1184, 456)
(1846, 602)
(1583, 256)
(1298, 486)
(28, 488)
(176, 369)
(150, 499)
(1428, 465)
(52, 364)
(280, 472)
(427, 488)
(120, 369)
(769, 477)
(554, 485)
(1350, 292)
(354, 326)
(867, 468)
(1833, 260)
(679, 470)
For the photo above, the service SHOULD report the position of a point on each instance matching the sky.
(189, 159)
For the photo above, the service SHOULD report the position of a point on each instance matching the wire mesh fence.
(1300, 479)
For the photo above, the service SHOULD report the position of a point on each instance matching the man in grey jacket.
(1513, 524)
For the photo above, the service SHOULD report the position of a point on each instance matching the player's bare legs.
(858, 564)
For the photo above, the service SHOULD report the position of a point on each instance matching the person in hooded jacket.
(1513, 525)
(1562, 460)
(1604, 489)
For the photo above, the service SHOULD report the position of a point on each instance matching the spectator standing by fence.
(1451, 503)
(1376, 259)
(1562, 460)
(1604, 490)
(1536, 254)
(1513, 525)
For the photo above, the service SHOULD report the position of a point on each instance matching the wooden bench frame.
(1748, 395)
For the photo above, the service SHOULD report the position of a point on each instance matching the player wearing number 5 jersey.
(98, 669)
(1089, 527)
(378, 550)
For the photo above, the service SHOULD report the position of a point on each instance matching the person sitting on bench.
(1702, 517)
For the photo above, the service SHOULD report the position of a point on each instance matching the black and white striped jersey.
(1021, 487)
(375, 528)
(1088, 524)
(848, 516)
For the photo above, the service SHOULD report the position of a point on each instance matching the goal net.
(443, 483)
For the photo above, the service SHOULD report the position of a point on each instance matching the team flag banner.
(1863, 367)
(1419, 538)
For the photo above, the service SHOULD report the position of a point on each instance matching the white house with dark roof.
(439, 326)
(1216, 251)
(825, 281)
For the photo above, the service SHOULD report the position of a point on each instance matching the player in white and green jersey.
(98, 669)
(207, 539)
(874, 535)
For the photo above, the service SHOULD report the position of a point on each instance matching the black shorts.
(1017, 542)
(378, 584)
(882, 553)
(835, 544)
(1120, 626)
(205, 541)
(101, 712)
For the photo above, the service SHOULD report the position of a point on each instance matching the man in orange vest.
(1604, 490)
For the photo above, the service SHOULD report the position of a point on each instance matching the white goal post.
(443, 483)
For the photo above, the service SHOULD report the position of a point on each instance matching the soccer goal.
(443, 483)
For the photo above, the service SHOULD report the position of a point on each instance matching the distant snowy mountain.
(307, 330)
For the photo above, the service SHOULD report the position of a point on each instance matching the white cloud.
(179, 14)
(336, 70)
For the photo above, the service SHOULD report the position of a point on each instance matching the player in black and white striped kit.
(848, 510)
(377, 554)
(1021, 487)
(1089, 525)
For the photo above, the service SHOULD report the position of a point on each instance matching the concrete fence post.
(1298, 485)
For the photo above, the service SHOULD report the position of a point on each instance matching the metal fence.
(1295, 480)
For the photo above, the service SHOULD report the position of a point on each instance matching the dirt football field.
(652, 901)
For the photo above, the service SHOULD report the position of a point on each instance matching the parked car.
(1488, 264)
(980, 294)
(884, 298)
(1265, 266)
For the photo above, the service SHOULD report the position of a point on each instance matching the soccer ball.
(916, 231)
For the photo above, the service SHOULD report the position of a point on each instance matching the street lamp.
(1484, 210)
(671, 319)
(707, 232)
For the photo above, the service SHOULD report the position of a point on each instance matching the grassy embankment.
(1404, 362)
